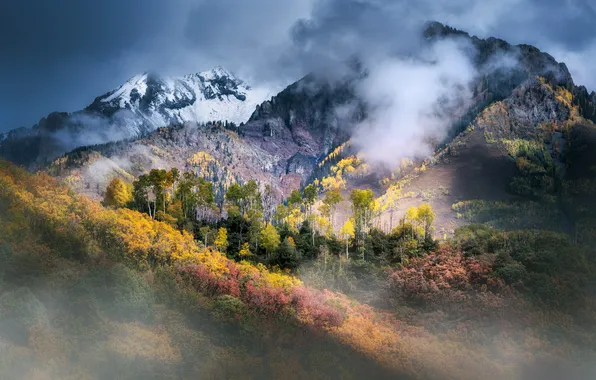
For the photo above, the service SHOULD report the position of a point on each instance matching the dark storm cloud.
(566, 29)
(59, 55)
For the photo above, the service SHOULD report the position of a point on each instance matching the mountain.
(477, 261)
(286, 139)
(522, 158)
(142, 104)
(161, 101)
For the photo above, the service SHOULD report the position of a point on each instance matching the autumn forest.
(421, 204)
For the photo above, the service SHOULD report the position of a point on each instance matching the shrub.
(228, 307)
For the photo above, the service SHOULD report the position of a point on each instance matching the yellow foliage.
(347, 231)
(349, 166)
(133, 236)
(221, 242)
(333, 183)
(564, 96)
(295, 218)
(323, 225)
(200, 159)
(276, 278)
(245, 251)
(336, 152)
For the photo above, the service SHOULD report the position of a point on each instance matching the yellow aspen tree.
(348, 233)
(221, 242)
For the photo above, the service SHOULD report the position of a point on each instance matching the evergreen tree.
(287, 256)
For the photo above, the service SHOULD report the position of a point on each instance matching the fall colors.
(248, 225)
(250, 278)
(369, 228)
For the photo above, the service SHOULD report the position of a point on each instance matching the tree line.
(253, 225)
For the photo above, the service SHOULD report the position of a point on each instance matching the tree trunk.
(391, 220)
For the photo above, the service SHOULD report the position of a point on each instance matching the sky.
(60, 55)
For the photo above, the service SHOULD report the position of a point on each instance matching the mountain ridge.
(293, 131)
(142, 104)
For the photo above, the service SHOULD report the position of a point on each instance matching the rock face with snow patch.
(142, 104)
(207, 96)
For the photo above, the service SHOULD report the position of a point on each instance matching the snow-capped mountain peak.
(216, 94)
(144, 103)
(136, 84)
(217, 72)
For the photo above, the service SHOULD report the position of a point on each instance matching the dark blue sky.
(60, 55)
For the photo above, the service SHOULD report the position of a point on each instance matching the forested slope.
(90, 292)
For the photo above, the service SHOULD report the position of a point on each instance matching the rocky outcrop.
(518, 62)
(311, 113)
(521, 115)
(586, 102)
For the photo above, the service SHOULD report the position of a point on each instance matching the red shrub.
(446, 277)
(311, 307)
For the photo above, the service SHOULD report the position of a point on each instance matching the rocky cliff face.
(212, 152)
(508, 65)
(312, 113)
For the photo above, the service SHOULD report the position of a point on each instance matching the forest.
(170, 294)
(249, 225)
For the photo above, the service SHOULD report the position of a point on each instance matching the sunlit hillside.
(90, 292)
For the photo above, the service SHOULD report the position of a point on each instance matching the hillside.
(469, 326)
(520, 164)
(71, 308)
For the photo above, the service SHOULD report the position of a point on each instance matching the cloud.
(59, 57)
(98, 129)
(413, 101)
(243, 35)
(413, 91)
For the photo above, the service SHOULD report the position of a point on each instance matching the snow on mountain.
(143, 104)
(205, 96)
